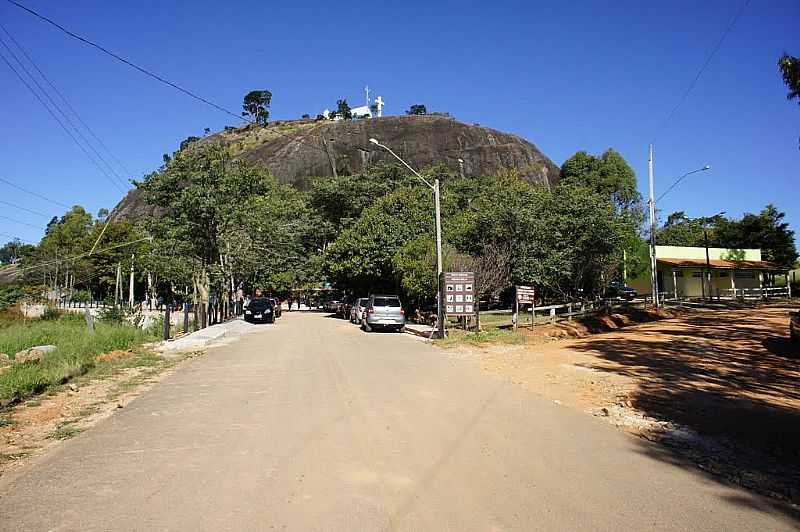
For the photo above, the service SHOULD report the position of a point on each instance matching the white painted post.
(675, 283)
(552, 315)
(733, 283)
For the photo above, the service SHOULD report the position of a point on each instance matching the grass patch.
(65, 431)
(6, 420)
(458, 337)
(74, 356)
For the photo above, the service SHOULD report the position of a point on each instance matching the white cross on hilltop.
(379, 103)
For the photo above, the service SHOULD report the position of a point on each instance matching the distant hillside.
(295, 150)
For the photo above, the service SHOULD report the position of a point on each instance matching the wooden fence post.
(166, 321)
(186, 318)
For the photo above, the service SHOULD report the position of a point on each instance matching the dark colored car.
(276, 306)
(343, 310)
(260, 310)
(617, 290)
(794, 325)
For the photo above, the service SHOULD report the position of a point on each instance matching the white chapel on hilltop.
(373, 109)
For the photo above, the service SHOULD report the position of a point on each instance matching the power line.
(69, 105)
(20, 222)
(68, 120)
(55, 117)
(125, 61)
(37, 213)
(35, 194)
(702, 69)
(82, 255)
(12, 237)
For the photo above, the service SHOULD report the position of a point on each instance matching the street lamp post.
(652, 207)
(435, 187)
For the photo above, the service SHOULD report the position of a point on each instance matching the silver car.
(358, 309)
(384, 312)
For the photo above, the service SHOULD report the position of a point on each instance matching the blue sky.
(582, 76)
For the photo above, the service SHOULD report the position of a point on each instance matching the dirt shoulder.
(31, 428)
(716, 388)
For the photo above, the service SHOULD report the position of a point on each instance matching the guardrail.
(772, 292)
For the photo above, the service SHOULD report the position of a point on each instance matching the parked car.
(358, 309)
(276, 305)
(794, 325)
(260, 309)
(384, 312)
(331, 305)
(618, 290)
(343, 310)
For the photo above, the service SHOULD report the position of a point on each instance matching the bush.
(50, 313)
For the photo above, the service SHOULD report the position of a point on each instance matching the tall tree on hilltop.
(790, 69)
(256, 105)
(417, 109)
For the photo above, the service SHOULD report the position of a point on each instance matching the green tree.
(609, 174)
(225, 219)
(417, 109)
(790, 70)
(343, 110)
(256, 105)
(680, 230)
(766, 230)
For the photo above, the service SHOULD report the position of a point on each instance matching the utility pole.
(440, 274)
(652, 202)
(435, 186)
(117, 282)
(130, 290)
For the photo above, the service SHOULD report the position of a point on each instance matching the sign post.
(459, 293)
(526, 296)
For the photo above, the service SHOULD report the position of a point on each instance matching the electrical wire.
(37, 213)
(127, 62)
(82, 255)
(702, 69)
(35, 194)
(55, 117)
(69, 105)
(57, 107)
(21, 222)
(12, 237)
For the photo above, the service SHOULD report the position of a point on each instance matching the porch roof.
(722, 264)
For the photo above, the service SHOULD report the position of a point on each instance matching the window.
(745, 275)
(386, 302)
(678, 273)
(724, 274)
(697, 274)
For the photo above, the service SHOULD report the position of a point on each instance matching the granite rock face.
(296, 150)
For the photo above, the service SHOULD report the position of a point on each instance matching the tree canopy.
(765, 230)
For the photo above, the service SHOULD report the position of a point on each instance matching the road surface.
(313, 425)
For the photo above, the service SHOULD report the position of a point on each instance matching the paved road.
(313, 425)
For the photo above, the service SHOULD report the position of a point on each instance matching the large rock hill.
(296, 150)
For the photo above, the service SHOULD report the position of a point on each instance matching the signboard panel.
(525, 295)
(459, 293)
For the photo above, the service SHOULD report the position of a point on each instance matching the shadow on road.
(728, 378)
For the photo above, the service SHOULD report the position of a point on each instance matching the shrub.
(50, 313)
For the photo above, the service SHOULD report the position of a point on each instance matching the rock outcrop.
(296, 150)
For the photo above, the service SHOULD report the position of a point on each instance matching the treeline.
(766, 230)
(226, 224)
